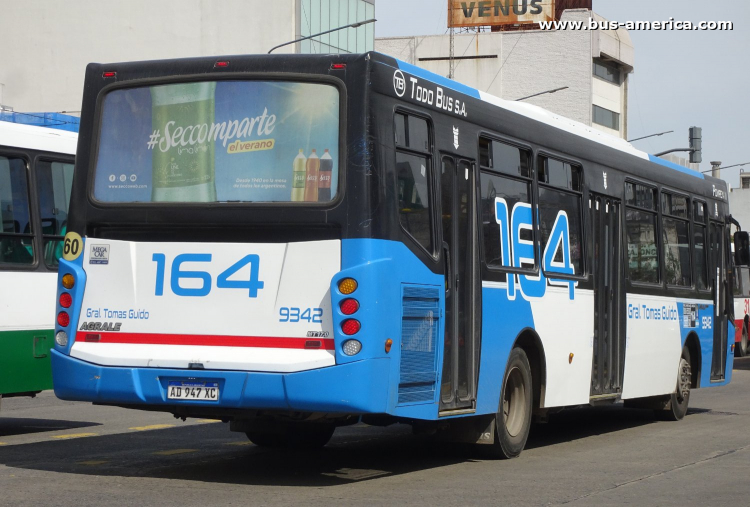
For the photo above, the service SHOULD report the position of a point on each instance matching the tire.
(741, 349)
(676, 408)
(297, 436)
(513, 418)
(266, 439)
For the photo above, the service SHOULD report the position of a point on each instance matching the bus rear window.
(219, 141)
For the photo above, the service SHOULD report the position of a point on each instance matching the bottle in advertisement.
(324, 178)
(182, 173)
(311, 182)
(298, 177)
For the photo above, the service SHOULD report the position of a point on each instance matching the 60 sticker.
(72, 246)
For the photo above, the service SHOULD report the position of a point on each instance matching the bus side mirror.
(741, 248)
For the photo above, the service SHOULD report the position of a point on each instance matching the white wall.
(739, 206)
(528, 62)
(46, 44)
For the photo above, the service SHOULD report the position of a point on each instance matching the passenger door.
(462, 301)
(718, 277)
(609, 343)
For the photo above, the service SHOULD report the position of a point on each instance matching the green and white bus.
(36, 171)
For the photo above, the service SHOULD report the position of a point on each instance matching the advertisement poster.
(219, 141)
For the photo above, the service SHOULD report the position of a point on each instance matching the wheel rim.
(683, 381)
(514, 402)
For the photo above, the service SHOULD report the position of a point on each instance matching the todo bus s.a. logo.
(517, 252)
(399, 83)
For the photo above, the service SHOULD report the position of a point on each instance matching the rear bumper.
(353, 388)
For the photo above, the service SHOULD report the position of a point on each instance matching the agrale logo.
(399, 83)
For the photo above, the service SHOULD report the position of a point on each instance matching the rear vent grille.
(419, 342)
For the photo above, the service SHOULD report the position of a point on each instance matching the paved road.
(76, 454)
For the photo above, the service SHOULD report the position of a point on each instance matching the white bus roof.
(37, 138)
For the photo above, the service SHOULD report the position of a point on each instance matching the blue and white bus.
(292, 243)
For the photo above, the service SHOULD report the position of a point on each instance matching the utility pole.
(452, 53)
(696, 145)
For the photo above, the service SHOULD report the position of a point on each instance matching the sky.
(681, 78)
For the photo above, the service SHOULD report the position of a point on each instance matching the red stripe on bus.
(271, 342)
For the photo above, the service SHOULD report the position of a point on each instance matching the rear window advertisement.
(225, 141)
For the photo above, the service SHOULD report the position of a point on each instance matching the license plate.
(202, 391)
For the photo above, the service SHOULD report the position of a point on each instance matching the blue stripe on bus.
(706, 340)
(350, 388)
(438, 79)
(382, 269)
(676, 167)
(502, 321)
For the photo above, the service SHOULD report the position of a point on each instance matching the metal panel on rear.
(419, 336)
(259, 307)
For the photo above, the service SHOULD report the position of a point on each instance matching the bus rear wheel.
(741, 348)
(513, 418)
(677, 406)
(296, 436)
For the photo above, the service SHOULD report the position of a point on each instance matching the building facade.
(513, 64)
(739, 201)
(42, 68)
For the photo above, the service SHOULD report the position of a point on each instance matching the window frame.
(657, 230)
(691, 250)
(48, 237)
(228, 76)
(582, 218)
(533, 197)
(617, 115)
(607, 65)
(436, 238)
(29, 160)
(706, 240)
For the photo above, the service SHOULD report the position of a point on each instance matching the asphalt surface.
(76, 454)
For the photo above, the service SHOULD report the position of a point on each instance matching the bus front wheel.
(677, 406)
(513, 418)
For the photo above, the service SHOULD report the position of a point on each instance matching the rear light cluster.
(63, 317)
(349, 306)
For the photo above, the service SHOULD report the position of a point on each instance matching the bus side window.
(414, 178)
(699, 243)
(54, 182)
(560, 191)
(676, 239)
(640, 228)
(16, 235)
(504, 179)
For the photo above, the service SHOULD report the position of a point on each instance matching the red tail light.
(107, 75)
(63, 319)
(350, 326)
(66, 300)
(349, 306)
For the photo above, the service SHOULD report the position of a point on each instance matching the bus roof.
(37, 138)
(544, 116)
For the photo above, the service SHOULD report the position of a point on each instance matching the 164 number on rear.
(252, 285)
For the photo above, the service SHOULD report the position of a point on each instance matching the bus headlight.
(61, 338)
